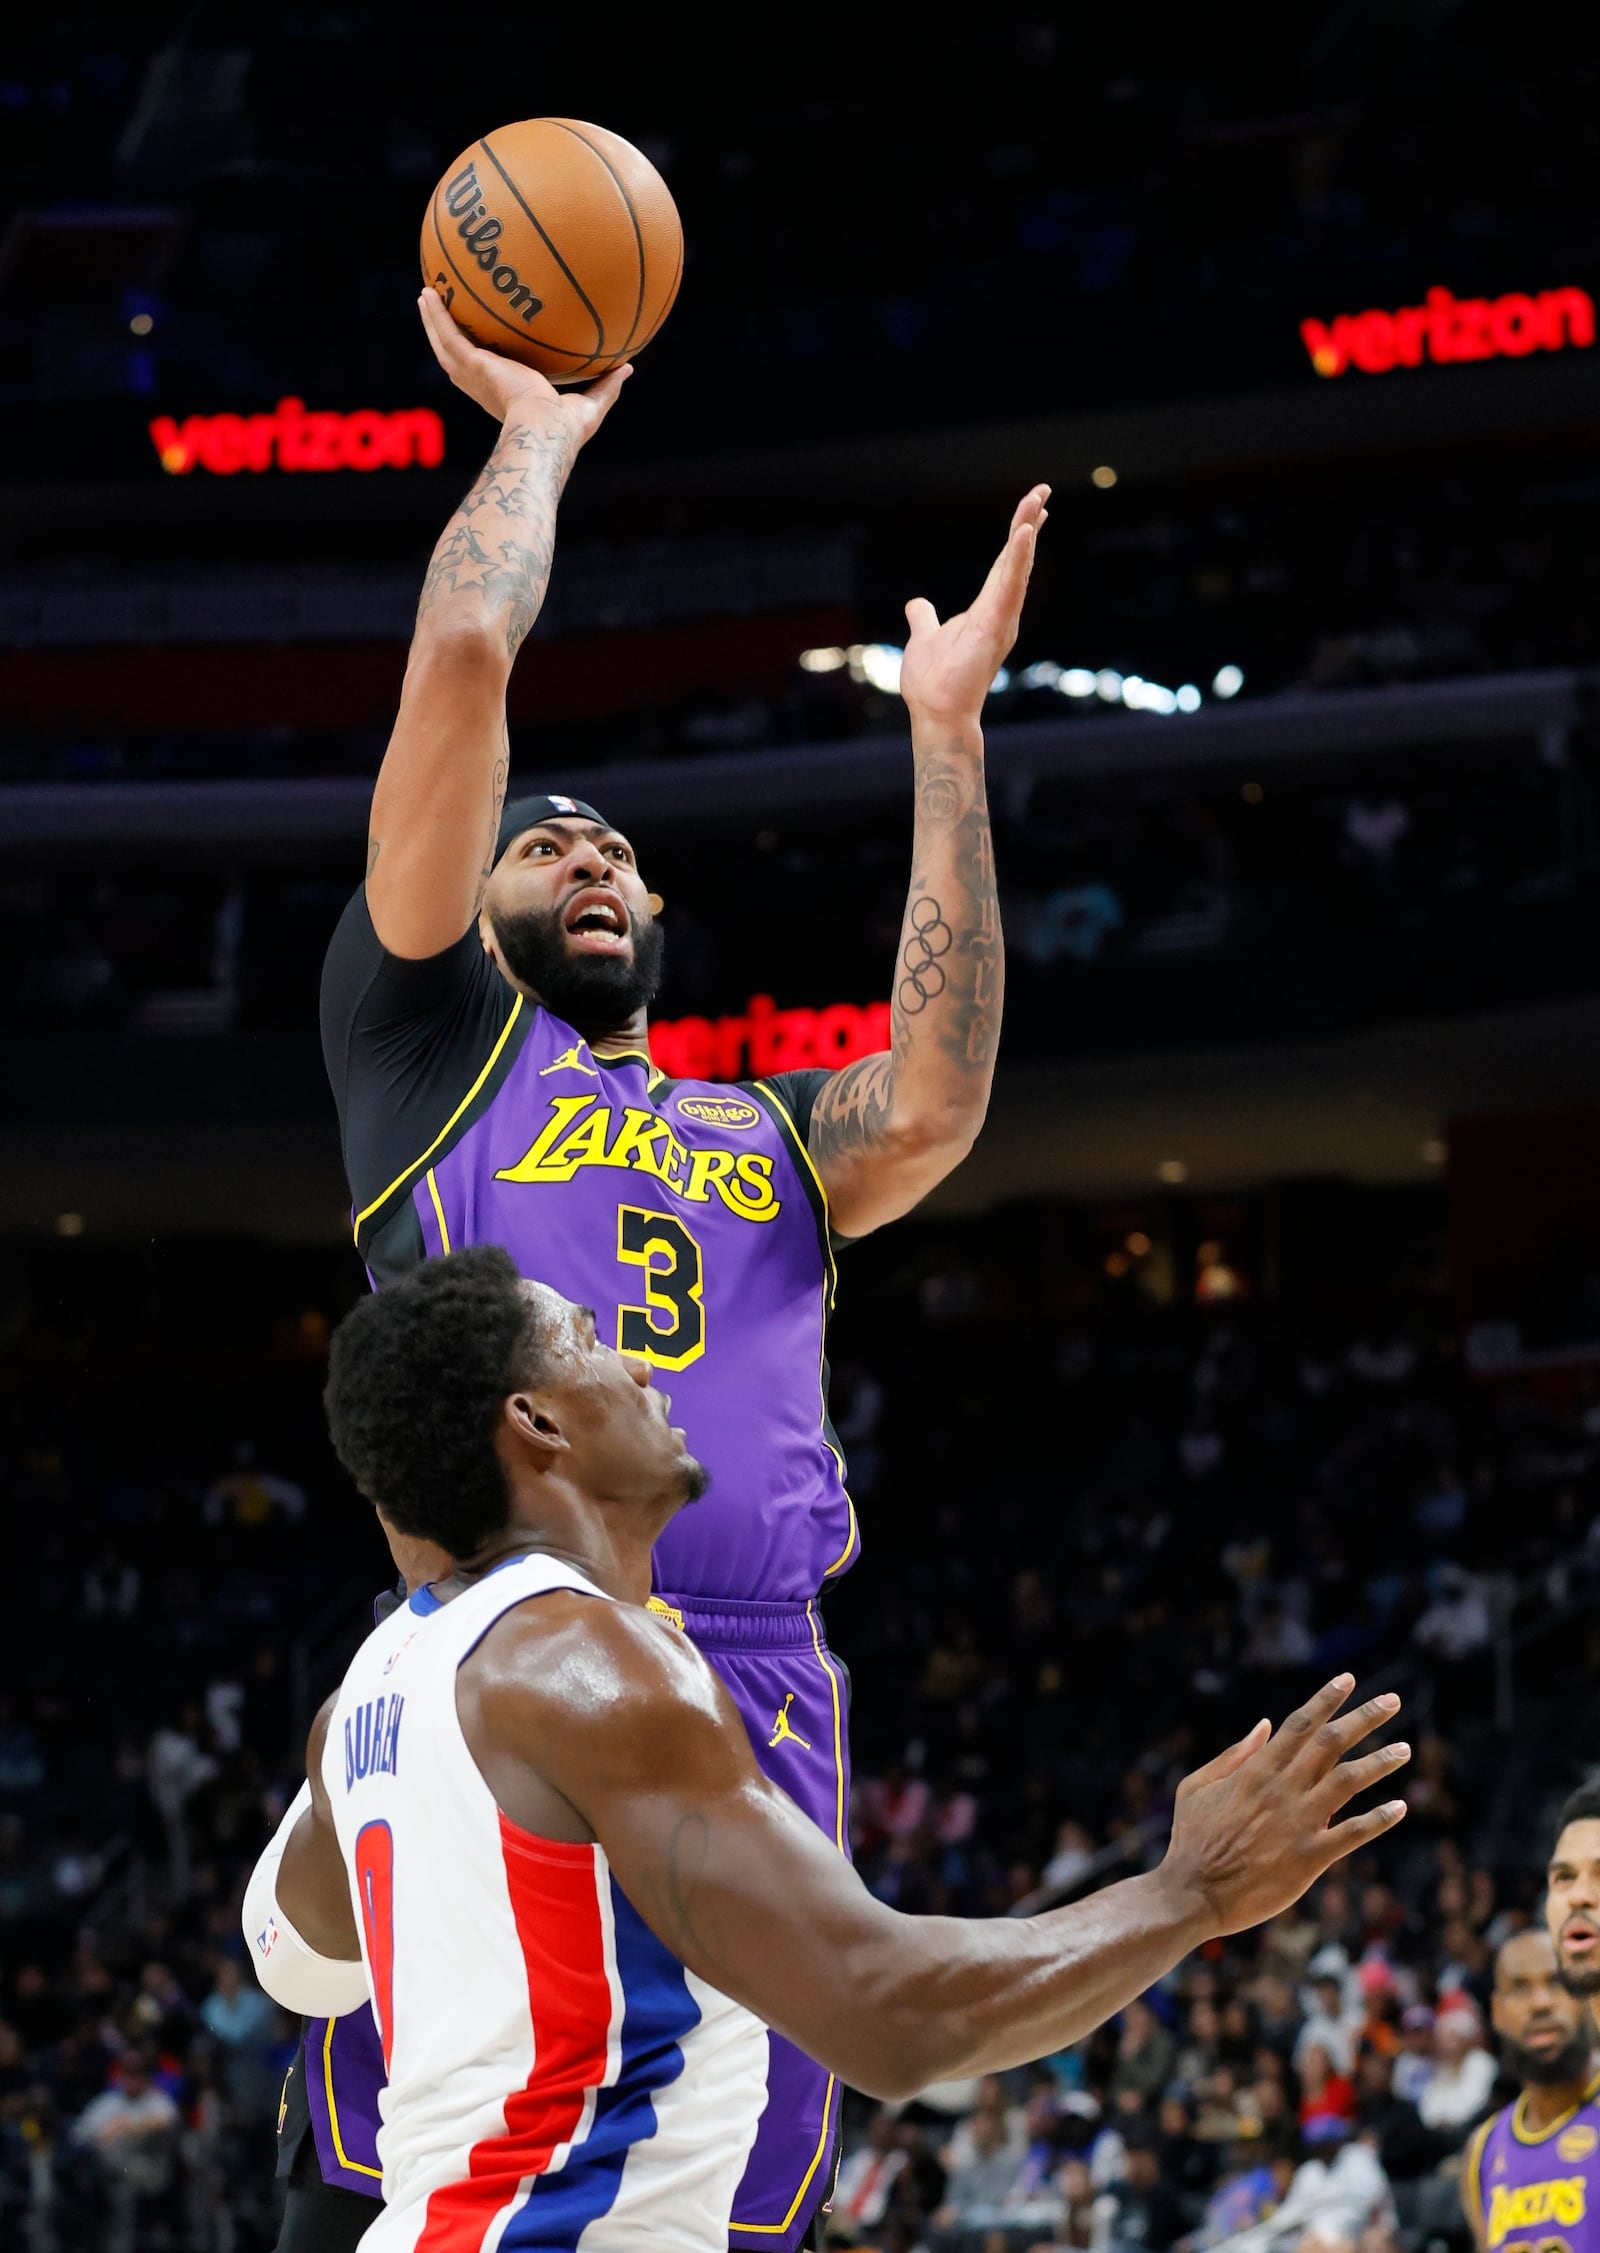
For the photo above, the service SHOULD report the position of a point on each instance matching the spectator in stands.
(1339, 2189)
(1255, 2181)
(250, 1497)
(1458, 2089)
(1141, 2209)
(1077, 2222)
(1145, 2055)
(178, 1765)
(242, 2021)
(132, 2131)
(1328, 2022)
(867, 2179)
(1413, 2067)
(976, 2190)
(1325, 2093)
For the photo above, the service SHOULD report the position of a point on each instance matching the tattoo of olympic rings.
(924, 978)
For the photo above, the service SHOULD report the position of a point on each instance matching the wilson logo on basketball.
(1448, 328)
(463, 199)
(290, 439)
(710, 1111)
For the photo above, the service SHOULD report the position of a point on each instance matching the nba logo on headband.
(563, 805)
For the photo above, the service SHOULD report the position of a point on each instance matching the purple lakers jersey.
(689, 1216)
(1536, 2192)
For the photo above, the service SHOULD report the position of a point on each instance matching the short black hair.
(1583, 1806)
(417, 1377)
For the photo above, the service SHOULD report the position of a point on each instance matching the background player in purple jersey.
(485, 1028)
(1531, 2176)
(1572, 1893)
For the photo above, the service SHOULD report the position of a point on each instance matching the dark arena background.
(1260, 1335)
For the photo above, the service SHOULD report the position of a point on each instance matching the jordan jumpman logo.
(782, 1734)
(570, 1060)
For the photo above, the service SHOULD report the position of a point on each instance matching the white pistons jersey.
(557, 2079)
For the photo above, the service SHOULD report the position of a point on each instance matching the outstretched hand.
(948, 669)
(1254, 1828)
(499, 383)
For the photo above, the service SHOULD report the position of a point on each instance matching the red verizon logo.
(291, 439)
(1447, 328)
(768, 1039)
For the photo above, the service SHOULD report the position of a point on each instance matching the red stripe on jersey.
(555, 1900)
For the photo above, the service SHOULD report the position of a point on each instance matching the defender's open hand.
(1255, 1827)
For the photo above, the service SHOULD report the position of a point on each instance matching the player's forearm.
(946, 1997)
(491, 566)
(950, 968)
(436, 807)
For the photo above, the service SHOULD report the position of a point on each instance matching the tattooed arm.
(436, 808)
(886, 1130)
(591, 1720)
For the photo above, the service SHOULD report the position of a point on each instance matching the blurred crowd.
(1310, 2085)
(1215, 1499)
(1210, 194)
(1286, 904)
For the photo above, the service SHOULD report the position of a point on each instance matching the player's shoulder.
(569, 1646)
(588, 1688)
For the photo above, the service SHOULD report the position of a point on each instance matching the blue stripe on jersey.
(658, 2012)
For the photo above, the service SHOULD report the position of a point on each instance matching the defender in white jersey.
(549, 2061)
(536, 1822)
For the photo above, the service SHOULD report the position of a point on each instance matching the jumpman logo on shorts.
(570, 1060)
(782, 1734)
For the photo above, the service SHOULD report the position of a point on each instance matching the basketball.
(555, 242)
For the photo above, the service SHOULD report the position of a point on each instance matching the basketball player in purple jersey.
(484, 1020)
(1531, 2177)
(1572, 1893)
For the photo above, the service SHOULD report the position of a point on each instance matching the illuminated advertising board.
(767, 1039)
(1445, 330)
(292, 438)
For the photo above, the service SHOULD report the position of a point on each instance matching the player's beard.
(1584, 1984)
(593, 993)
(1568, 2066)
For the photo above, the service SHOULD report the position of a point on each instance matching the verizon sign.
(1445, 329)
(768, 1039)
(292, 439)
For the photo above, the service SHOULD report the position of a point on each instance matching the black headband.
(528, 813)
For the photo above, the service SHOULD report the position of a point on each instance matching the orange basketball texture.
(555, 242)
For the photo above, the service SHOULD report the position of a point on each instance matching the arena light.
(822, 660)
(1104, 477)
(1227, 682)
(1188, 698)
(880, 666)
(1077, 681)
(1147, 696)
(1108, 686)
(1000, 683)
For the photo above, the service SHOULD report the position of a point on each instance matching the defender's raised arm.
(636, 1734)
(436, 807)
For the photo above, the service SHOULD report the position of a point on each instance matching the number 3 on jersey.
(374, 1859)
(669, 1329)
